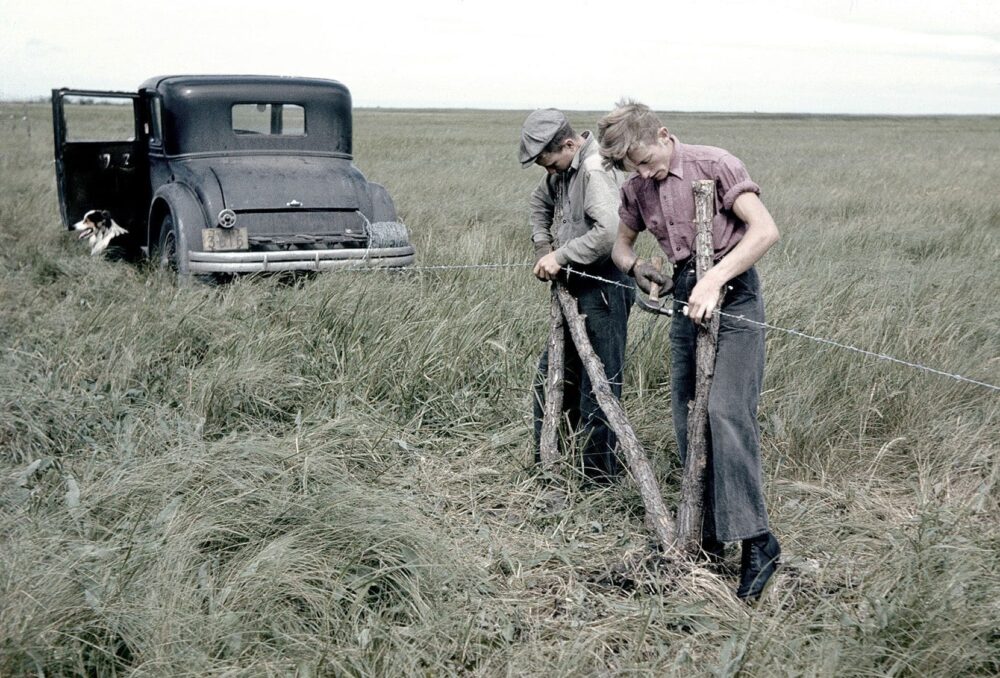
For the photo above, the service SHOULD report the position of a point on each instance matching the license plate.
(224, 239)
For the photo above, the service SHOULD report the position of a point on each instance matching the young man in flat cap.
(574, 222)
(659, 198)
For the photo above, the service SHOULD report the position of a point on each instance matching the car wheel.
(167, 255)
(166, 251)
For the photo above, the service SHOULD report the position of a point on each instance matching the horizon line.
(45, 99)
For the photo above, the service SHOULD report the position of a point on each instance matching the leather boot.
(761, 556)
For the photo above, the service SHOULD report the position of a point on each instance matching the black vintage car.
(227, 174)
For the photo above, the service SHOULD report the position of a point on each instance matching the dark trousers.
(606, 308)
(734, 494)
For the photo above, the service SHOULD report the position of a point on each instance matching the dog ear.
(106, 217)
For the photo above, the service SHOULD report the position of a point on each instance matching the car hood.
(259, 183)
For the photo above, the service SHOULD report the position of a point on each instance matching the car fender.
(188, 215)
(383, 209)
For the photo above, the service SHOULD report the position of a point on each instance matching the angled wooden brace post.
(548, 445)
(658, 517)
(690, 513)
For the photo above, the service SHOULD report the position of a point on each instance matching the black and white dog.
(99, 229)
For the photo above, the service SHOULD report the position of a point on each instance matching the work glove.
(646, 275)
(541, 249)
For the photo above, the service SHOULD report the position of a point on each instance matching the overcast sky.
(821, 56)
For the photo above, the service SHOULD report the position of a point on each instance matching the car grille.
(292, 229)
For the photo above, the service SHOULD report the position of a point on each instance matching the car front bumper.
(299, 260)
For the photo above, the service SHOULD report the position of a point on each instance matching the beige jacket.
(577, 210)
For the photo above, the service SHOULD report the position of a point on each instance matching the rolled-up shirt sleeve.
(628, 211)
(601, 206)
(733, 180)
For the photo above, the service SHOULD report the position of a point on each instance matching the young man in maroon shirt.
(659, 198)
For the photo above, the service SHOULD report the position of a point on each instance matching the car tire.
(166, 250)
(167, 256)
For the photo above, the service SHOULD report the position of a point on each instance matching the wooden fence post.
(658, 517)
(690, 512)
(548, 447)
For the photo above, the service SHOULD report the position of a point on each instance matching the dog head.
(93, 223)
(99, 229)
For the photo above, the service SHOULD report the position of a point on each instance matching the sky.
(812, 56)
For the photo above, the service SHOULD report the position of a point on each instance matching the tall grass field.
(331, 475)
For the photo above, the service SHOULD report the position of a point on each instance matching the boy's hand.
(547, 268)
(703, 300)
(645, 275)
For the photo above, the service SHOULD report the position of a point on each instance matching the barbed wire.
(365, 268)
(871, 354)
(680, 305)
(572, 271)
(449, 267)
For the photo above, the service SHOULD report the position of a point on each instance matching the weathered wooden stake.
(548, 447)
(658, 517)
(691, 509)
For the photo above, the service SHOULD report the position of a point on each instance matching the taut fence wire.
(679, 306)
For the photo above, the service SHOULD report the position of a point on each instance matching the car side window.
(98, 118)
(272, 119)
(155, 130)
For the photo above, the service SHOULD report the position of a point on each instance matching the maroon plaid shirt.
(666, 208)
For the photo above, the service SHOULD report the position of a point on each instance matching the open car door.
(101, 159)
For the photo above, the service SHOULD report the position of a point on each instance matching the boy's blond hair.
(624, 128)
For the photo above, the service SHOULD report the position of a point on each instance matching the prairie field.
(331, 474)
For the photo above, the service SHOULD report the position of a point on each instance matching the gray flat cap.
(537, 131)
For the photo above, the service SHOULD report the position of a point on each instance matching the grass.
(330, 476)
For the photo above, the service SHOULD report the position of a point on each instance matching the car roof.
(176, 85)
(199, 106)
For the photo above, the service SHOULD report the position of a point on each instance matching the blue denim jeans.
(606, 309)
(734, 495)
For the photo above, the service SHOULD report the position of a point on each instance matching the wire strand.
(682, 305)
(871, 354)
